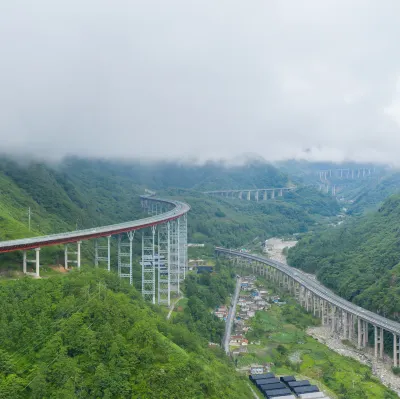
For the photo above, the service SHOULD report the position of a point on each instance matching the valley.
(107, 193)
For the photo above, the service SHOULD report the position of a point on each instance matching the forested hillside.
(360, 260)
(233, 222)
(80, 194)
(375, 193)
(90, 335)
(163, 175)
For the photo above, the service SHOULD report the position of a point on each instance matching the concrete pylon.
(248, 195)
(24, 262)
(379, 343)
(265, 197)
(256, 196)
(78, 254)
(37, 263)
(396, 350)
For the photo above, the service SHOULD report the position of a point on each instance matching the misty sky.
(201, 78)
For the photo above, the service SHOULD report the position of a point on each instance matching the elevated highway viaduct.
(344, 318)
(165, 229)
(256, 194)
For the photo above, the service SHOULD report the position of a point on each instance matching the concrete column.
(333, 317)
(256, 196)
(24, 262)
(272, 194)
(96, 252)
(109, 252)
(365, 334)
(345, 324)
(280, 193)
(130, 236)
(37, 261)
(66, 256)
(265, 195)
(351, 326)
(396, 350)
(78, 254)
(359, 333)
(378, 335)
(323, 313)
(248, 195)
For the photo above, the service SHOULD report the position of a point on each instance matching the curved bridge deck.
(164, 247)
(179, 209)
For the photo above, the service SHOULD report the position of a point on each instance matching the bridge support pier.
(256, 196)
(24, 262)
(183, 246)
(396, 350)
(77, 255)
(379, 344)
(362, 333)
(37, 263)
(125, 258)
(174, 256)
(164, 282)
(102, 248)
(148, 266)
(248, 195)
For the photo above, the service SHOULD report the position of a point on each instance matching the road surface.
(231, 315)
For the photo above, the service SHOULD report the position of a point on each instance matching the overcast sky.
(201, 78)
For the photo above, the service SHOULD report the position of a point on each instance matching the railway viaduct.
(165, 229)
(345, 319)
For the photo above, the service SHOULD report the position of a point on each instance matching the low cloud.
(179, 79)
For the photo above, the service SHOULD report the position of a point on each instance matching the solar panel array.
(285, 387)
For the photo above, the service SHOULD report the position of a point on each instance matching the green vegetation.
(283, 341)
(204, 292)
(244, 221)
(359, 260)
(374, 194)
(89, 335)
(86, 193)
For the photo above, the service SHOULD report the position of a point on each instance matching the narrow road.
(231, 316)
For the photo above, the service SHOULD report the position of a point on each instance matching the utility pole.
(29, 218)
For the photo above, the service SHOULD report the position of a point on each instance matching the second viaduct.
(344, 318)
